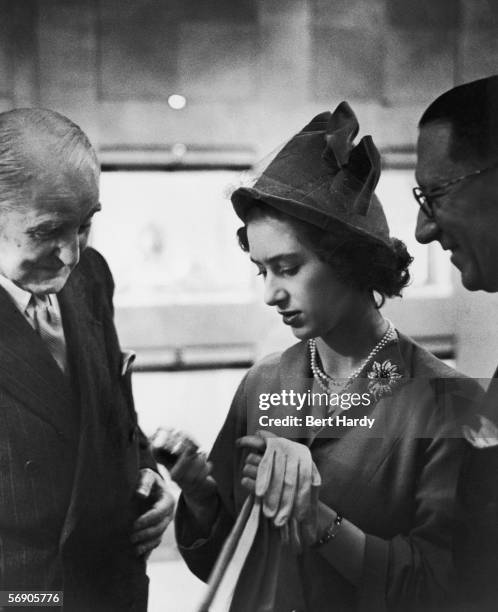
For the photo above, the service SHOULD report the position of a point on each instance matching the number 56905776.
(31, 598)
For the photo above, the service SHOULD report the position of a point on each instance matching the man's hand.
(150, 526)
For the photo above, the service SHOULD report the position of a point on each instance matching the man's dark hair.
(472, 112)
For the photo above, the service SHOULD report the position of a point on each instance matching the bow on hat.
(322, 178)
(358, 167)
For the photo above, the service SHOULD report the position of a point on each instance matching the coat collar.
(20, 296)
(29, 372)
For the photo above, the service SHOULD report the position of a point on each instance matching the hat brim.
(243, 199)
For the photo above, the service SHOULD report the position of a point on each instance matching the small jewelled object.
(331, 531)
(168, 444)
(326, 382)
(383, 376)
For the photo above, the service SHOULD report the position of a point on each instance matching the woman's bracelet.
(331, 531)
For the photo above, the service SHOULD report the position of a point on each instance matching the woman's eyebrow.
(276, 258)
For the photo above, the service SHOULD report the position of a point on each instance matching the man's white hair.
(24, 131)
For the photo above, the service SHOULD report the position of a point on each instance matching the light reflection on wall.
(169, 238)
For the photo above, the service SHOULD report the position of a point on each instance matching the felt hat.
(320, 176)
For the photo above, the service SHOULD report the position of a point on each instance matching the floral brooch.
(383, 376)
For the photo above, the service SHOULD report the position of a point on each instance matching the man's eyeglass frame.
(424, 198)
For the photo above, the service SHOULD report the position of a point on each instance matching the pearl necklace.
(325, 381)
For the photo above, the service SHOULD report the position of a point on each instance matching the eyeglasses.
(426, 199)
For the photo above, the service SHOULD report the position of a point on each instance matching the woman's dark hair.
(358, 260)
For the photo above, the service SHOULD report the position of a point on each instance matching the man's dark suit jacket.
(70, 454)
(476, 546)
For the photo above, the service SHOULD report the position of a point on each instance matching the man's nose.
(69, 251)
(427, 229)
(274, 292)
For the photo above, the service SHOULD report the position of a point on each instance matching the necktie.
(48, 324)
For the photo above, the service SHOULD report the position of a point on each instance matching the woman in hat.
(348, 437)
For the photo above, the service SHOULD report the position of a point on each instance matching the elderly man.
(81, 502)
(457, 172)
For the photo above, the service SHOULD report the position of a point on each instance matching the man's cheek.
(28, 264)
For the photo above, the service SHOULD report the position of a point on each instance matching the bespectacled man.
(457, 176)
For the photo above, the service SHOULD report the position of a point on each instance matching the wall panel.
(346, 64)
(424, 14)
(67, 48)
(252, 70)
(5, 57)
(419, 65)
(216, 61)
(23, 47)
(138, 48)
(478, 49)
(350, 14)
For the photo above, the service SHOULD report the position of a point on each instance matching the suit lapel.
(28, 370)
(85, 352)
(78, 325)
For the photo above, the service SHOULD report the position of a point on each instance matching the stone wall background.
(253, 71)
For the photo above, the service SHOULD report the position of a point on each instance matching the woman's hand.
(191, 473)
(282, 473)
(256, 445)
(189, 468)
